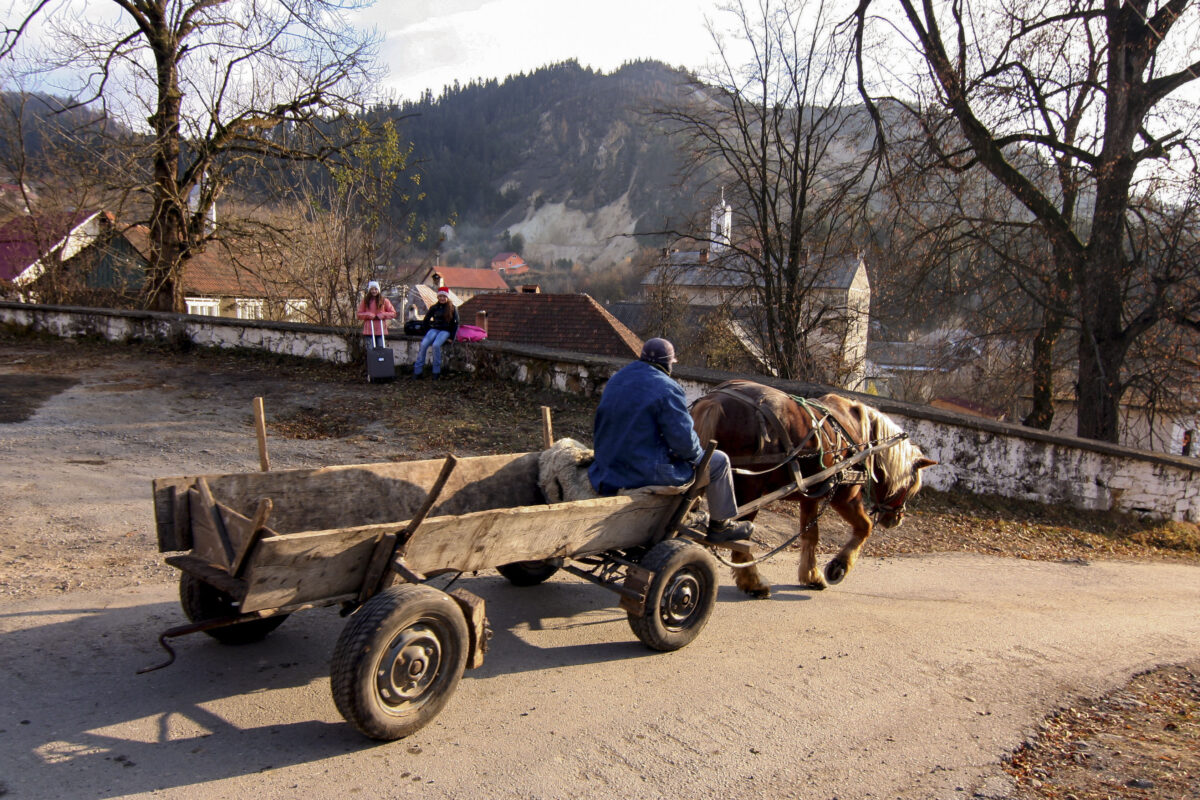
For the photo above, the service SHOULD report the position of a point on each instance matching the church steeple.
(721, 224)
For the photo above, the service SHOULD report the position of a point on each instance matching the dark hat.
(658, 351)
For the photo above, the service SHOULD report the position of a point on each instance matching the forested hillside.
(496, 155)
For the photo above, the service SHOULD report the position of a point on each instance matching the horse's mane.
(895, 463)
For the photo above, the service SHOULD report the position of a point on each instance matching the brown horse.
(771, 439)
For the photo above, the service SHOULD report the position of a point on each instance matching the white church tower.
(721, 225)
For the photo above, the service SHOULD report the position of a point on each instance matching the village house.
(509, 264)
(80, 256)
(88, 258)
(722, 276)
(465, 282)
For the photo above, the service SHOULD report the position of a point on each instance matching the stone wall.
(974, 455)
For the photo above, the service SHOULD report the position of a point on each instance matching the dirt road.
(909, 680)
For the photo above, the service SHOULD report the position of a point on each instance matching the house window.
(294, 309)
(249, 309)
(204, 306)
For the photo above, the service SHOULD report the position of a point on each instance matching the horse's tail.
(706, 414)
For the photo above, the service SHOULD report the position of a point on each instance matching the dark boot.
(723, 530)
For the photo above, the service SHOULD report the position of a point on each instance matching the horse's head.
(895, 473)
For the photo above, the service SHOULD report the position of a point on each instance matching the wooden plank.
(381, 557)
(362, 494)
(474, 609)
(302, 567)
(547, 428)
(171, 514)
(206, 539)
(488, 539)
(260, 430)
(258, 529)
(208, 508)
(217, 577)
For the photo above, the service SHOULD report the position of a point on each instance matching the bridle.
(895, 503)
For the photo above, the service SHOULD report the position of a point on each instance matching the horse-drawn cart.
(263, 545)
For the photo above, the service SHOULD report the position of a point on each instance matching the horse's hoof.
(816, 586)
(759, 594)
(835, 571)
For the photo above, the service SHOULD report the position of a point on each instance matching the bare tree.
(223, 85)
(1074, 111)
(793, 159)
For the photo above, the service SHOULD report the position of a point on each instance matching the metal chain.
(770, 554)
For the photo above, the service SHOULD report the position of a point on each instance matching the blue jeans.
(721, 502)
(435, 339)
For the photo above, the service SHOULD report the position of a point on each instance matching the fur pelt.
(562, 472)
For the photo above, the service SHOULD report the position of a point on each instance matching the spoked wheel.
(202, 601)
(398, 661)
(530, 573)
(680, 597)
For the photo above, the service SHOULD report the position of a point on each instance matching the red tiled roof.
(508, 261)
(25, 239)
(573, 322)
(467, 278)
(208, 274)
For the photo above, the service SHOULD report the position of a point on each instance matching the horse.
(772, 438)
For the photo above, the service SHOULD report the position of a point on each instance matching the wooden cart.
(263, 545)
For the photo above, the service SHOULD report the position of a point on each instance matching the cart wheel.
(202, 601)
(680, 597)
(398, 660)
(530, 573)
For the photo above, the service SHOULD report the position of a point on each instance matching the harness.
(831, 438)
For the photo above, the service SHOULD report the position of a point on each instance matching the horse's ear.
(922, 463)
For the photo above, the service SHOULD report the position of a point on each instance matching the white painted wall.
(974, 455)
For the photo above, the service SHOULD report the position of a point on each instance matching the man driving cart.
(643, 436)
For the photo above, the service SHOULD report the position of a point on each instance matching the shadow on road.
(83, 721)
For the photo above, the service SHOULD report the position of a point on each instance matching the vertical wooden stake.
(260, 427)
(547, 428)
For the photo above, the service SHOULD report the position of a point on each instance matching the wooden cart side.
(339, 497)
(582, 527)
(303, 567)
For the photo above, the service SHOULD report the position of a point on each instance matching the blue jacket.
(642, 434)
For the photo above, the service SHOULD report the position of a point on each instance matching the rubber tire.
(410, 611)
(530, 573)
(683, 572)
(202, 601)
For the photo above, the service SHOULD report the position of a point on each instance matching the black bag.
(415, 327)
(381, 360)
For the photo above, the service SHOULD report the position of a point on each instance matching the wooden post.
(260, 427)
(547, 428)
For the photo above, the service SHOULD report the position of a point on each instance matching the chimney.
(704, 256)
(481, 320)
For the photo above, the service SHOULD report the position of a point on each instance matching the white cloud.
(430, 44)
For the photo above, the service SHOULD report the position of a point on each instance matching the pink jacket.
(384, 311)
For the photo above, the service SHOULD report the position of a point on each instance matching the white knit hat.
(372, 285)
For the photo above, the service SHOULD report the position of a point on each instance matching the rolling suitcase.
(381, 361)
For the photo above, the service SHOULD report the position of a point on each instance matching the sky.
(432, 43)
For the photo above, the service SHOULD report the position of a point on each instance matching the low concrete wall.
(974, 455)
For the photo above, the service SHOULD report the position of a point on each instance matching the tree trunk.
(1042, 413)
(1102, 348)
(168, 224)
